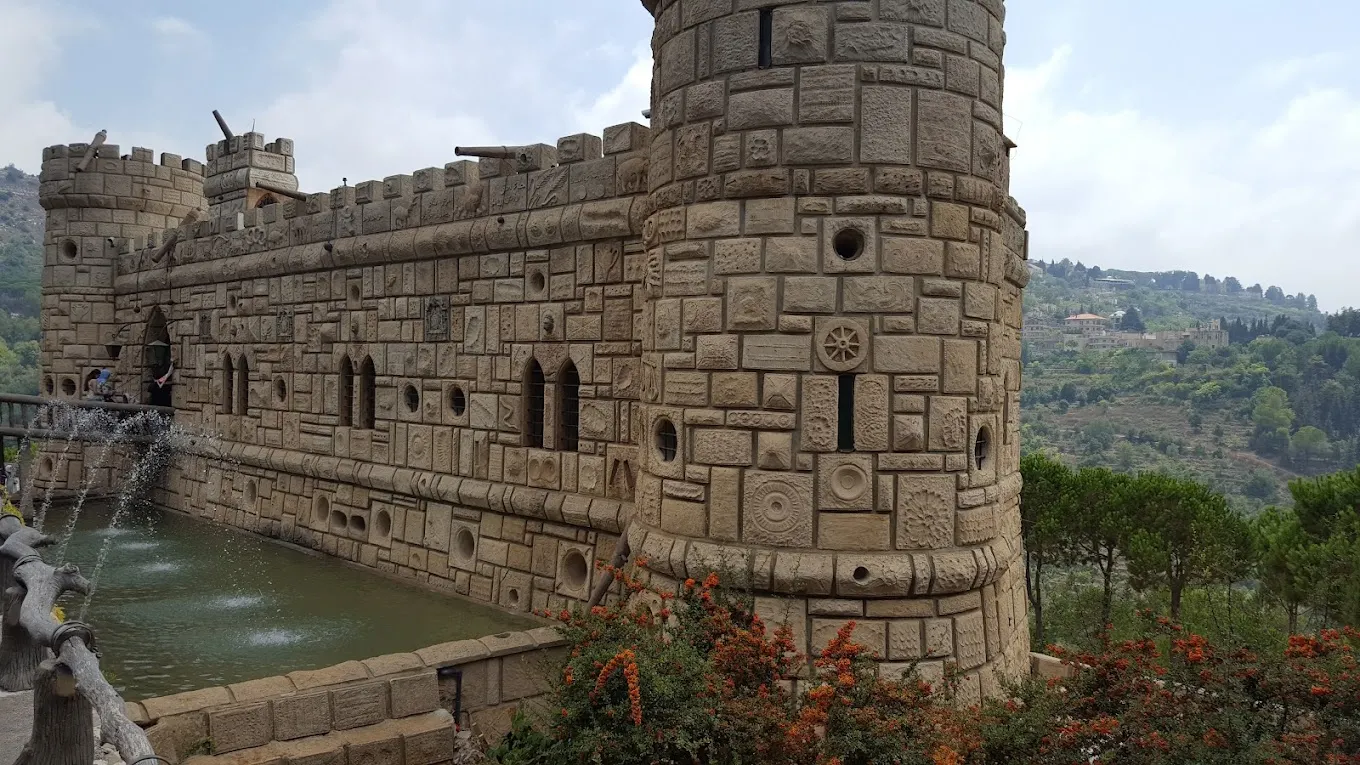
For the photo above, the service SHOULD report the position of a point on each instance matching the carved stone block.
(778, 509)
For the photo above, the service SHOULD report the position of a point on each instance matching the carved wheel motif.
(841, 346)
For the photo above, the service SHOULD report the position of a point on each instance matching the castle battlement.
(587, 187)
(777, 334)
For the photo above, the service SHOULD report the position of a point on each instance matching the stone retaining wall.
(396, 703)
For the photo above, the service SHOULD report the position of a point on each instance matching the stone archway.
(157, 364)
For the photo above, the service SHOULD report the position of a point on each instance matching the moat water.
(185, 604)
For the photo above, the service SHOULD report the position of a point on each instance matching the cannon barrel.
(491, 152)
(281, 191)
(221, 123)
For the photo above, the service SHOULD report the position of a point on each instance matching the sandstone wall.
(452, 282)
(396, 709)
(831, 331)
(789, 313)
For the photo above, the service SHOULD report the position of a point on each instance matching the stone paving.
(16, 719)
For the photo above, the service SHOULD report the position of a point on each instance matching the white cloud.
(178, 35)
(393, 87)
(28, 120)
(624, 102)
(1276, 200)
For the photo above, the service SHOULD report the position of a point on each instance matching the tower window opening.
(982, 446)
(243, 386)
(346, 392)
(569, 407)
(533, 405)
(845, 426)
(368, 381)
(667, 440)
(766, 38)
(848, 243)
(228, 385)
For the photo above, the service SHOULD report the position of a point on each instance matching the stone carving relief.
(471, 203)
(633, 175)
(437, 318)
(651, 381)
(651, 276)
(543, 470)
(846, 483)
(841, 345)
(778, 510)
(925, 513)
(283, 323)
(622, 476)
(509, 419)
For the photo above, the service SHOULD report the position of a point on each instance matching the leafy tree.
(1272, 417)
(1100, 526)
(1186, 534)
(1045, 502)
(1259, 485)
(1132, 321)
(1275, 294)
(1196, 421)
(1345, 322)
(1308, 444)
(1288, 561)
(1231, 285)
(1191, 282)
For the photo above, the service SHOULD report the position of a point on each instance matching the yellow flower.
(58, 614)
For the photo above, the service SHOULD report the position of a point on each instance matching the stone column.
(831, 334)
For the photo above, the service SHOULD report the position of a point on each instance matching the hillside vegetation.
(21, 234)
(1281, 400)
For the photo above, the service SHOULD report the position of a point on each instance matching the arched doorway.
(159, 367)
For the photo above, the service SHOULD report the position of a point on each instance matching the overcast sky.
(1220, 136)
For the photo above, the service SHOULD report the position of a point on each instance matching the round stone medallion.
(849, 482)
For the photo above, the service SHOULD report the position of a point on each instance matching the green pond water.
(184, 604)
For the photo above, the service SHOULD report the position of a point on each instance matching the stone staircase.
(425, 739)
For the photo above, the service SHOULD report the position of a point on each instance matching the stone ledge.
(396, 670)
(802, 572)
(604, 514)
(420, 740)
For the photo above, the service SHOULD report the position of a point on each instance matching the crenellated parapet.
(244, 172)
(97, 200)
(586, 188)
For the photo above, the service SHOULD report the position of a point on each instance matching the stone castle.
(776, 334)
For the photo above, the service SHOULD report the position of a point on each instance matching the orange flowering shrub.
(697, 677)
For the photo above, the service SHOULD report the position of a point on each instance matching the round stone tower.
(831, 329)
(99, 203)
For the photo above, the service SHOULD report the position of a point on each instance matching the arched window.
(243, 386)
(533, 404)
(265, 201)
(568, 407)
(346, 391)
(228, 384)
(368, 381)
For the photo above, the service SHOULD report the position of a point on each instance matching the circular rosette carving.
(841, 345)
(777, 508)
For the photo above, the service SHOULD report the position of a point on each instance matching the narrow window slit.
(845, 429)
(766, 37)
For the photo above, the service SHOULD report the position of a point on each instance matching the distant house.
(1111, 283)
(1085, 322)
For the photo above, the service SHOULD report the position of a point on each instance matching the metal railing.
(43, 418)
